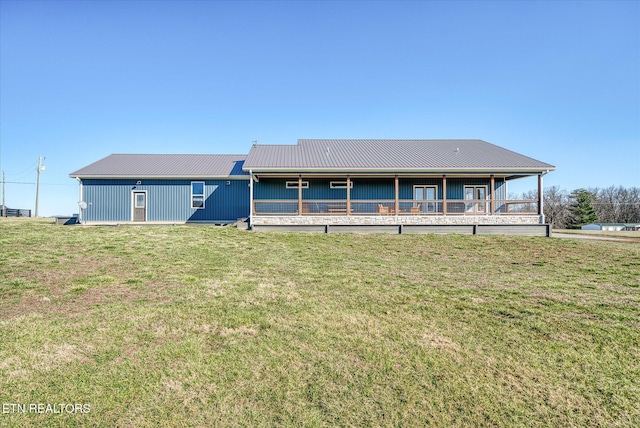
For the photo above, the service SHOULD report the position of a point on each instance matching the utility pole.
(39, 170)
(4, 209)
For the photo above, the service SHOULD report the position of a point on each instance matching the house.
(398, 186)
(163, 188)
(614, 227)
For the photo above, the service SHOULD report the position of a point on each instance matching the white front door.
(139, 206)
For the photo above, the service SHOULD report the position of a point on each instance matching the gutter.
(506, 170)
(160, 177)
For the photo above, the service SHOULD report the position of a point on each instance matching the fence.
(11, 212)
(389, 207)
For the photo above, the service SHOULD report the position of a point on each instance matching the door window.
(424, 197)
(476, 194)
(140, 200)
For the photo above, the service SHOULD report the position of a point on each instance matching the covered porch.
(403, 199)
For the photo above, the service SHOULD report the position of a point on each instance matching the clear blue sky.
(558, 81)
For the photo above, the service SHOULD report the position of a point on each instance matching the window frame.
(197, 195)
(342, 185)
(135, 199)
(294, 185)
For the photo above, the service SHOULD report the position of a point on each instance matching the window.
(294, 185)
(197, 194)
(340, 184)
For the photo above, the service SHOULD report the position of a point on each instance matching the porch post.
(540, 199)
(397, 185)
(348, 195)
(299, 194)
(444, 194)
(493, 188)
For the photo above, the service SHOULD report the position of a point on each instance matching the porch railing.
(388, 207)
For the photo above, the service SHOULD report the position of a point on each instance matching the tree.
(617, 204)
(581, 209)
(556, 210)
(630, 211)
(610, 205)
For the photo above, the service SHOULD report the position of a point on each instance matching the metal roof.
(612, 224)
(390, 155)
(163, 166)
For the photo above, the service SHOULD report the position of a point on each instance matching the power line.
(42, 184)
(27, 170)
(615, 203)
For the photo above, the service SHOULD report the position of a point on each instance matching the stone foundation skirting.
(399, 220)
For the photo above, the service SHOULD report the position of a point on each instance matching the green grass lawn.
(209, 326)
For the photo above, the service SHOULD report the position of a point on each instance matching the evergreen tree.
(581, 209)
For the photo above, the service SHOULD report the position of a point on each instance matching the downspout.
(250, 196)
(79, 200)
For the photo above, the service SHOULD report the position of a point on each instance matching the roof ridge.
(387, 139)
(274, 145)
(177, 154)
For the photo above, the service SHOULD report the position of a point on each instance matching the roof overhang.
(507, 171)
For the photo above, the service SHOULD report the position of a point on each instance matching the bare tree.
(612, 204)
(556, 207)
(630, 205)
(523, 207)
(617, 204)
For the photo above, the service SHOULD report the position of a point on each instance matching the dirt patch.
(75, 302)
(242, 330)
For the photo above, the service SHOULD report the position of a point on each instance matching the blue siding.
(406, 186)
(274, 188)
(373, 188)
(167, 200)
(107, 200)
(237, 169)
(319, 188)
(455, 186)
